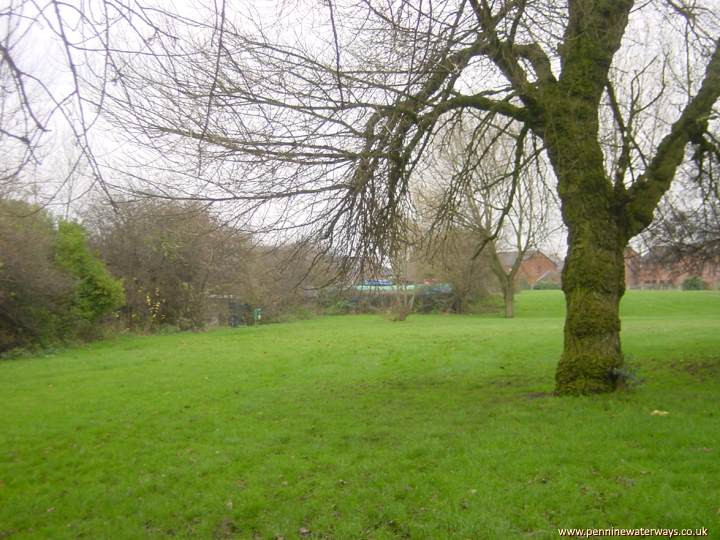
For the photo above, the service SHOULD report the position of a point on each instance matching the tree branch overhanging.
(644, 196)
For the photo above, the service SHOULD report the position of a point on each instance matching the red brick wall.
(658, 274)
(536, 266)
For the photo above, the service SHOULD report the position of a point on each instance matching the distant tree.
(452, 258)
(501, 198)
(171, 257)
(288, 277)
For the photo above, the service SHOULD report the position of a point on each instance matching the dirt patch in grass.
(538, 395)
(700, 369)
(226, 529)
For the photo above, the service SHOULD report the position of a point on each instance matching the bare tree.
(172, 257)
(506, 204)
(338, 123)
(452, 258)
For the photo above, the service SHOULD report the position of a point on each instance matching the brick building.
(536, 267)
(660, 268)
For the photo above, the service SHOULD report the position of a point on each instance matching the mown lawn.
(357, 427)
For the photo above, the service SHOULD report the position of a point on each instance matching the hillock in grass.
(356, 427)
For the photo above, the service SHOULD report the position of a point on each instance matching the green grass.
(357, 427)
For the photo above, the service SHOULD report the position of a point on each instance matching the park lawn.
(356, 427)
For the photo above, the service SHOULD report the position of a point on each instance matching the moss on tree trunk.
(593, 282)
(593, 276)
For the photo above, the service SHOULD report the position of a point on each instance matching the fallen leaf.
(659, 413)
(303, 531)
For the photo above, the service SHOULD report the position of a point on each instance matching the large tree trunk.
(593, 283)
(594, 272)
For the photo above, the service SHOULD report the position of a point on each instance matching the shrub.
(694, 283)
(52, 289)
(96, 293)
(33, 289)
(341, 307)
(174, 257)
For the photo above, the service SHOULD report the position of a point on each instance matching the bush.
(33, 289)
(180, 264)
(341, 307)
(97, 293)
(695, 283)
(432, 301)
(52, 289)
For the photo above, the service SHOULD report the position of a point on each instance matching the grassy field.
(357, 427)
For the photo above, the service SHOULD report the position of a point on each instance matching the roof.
(508, 258)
